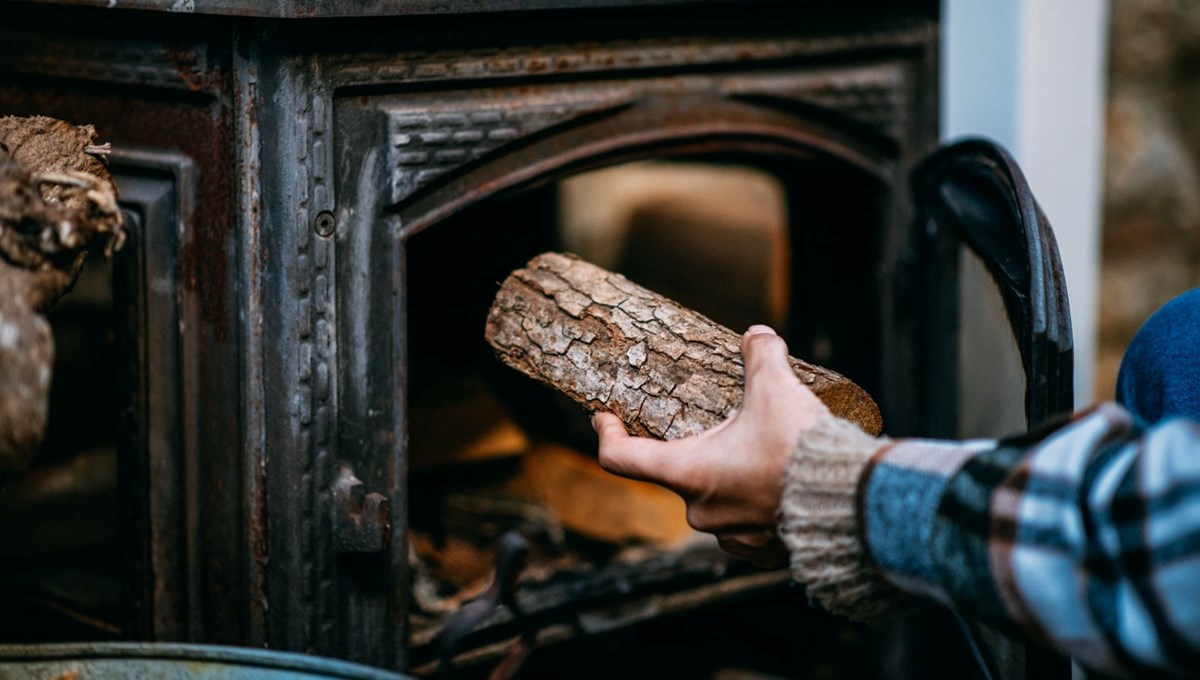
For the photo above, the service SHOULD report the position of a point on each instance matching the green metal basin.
(167, 661)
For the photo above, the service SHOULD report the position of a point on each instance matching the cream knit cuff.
(819, 523)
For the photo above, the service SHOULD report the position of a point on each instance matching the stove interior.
(491, 451)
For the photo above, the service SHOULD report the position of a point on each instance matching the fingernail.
(593, 419)
(758, 328)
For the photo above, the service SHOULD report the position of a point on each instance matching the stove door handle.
(975, 190)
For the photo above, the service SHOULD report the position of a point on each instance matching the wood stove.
(301, 179)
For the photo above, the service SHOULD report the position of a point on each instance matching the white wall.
(1031, 75)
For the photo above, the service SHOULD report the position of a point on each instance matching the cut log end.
(851, 402)
(611, 345)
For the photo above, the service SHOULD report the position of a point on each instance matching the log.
(57, 201)
(611, 345)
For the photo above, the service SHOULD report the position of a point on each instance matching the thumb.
(628, 456)
(765, 354)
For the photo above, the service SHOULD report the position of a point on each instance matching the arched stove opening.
(743, 239)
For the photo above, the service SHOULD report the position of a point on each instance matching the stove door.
(973, 194)
(993, 328)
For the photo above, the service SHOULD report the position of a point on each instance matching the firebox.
(307, 429)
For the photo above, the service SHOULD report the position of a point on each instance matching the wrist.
(898, 500)
(819, 522)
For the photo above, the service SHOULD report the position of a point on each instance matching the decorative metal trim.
(428, 140)
(124, 62)
(445, 66)
(160, 188)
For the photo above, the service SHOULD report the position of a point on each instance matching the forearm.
(1078, 540)
(1088, 540)
(819, 523)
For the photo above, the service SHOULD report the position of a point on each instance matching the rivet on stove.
(324, 224)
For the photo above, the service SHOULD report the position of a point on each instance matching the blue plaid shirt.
(1087, 539)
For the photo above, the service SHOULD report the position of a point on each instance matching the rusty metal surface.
(434, 174)
(178, 106)
(279, 352)
(285, 9)
(362, 521)
(159, 192)
(118, 661)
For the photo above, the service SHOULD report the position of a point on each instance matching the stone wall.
(1151, 237)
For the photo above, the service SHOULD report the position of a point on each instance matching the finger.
(766, 359)
(629, 456)
(761, 548)
(763, 350)
(721, 516)
(758, 328)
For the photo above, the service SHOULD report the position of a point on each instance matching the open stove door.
(974, 209)
(973, 193)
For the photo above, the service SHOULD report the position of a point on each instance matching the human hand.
(731, 476)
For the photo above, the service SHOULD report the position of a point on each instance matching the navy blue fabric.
(1160, 374)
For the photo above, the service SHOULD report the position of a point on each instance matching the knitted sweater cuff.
(819, 523)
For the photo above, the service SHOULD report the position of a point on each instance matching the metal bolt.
(362, 521)
(324, 224)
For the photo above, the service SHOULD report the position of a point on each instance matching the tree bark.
(57, 200)
(611, 345)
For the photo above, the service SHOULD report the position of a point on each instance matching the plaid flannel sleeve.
(1087, 539)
